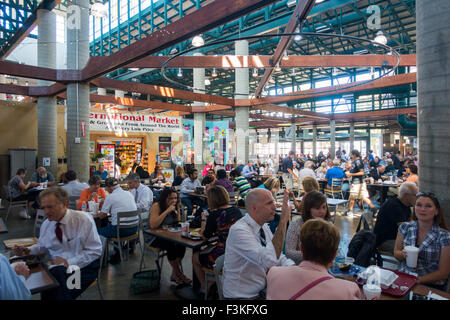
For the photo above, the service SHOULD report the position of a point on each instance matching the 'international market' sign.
(132, 122)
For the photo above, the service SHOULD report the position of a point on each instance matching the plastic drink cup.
(412, 253)
(184, 228)
(372, 180)
(371, 292)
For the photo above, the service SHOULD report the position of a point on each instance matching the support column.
(199, 119)
(305, 135)
(352, 138)
(433, 96)
(101, 91)
(294, 134)
(333, 138)
(2, 81)
(47, 114)
(242, 90)
(78, 94)
(119, 93)
(314, 141)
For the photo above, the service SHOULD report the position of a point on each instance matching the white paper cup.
(185, 228)
(371, 292)
(412, 253)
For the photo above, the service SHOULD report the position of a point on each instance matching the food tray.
(24, 242)
(403, 280)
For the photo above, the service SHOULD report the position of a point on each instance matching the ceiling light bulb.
(255, 72)
(180, 73)
(277, 67)
(207, 82)
(380, 38)
(297, 37)
(198, 41)
(285, 56)
(214, 73)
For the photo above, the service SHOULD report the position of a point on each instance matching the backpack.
(362, 248)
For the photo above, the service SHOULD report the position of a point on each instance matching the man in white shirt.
(118, 200)
(12, 281)
(71, 239)
(143, 195)
(188, 186)
(307, 171)
(73, 186)
(252, 249)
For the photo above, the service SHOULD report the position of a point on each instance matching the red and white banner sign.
(134, 122)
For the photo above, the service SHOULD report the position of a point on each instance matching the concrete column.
(2, 80)
(242, 91)
(333, 138)
(352, 137)
(199, 119)
(314, 141)
(101, 91)
(305, 135)
(433, 96)
(47, 115)
(294, 136)
(78, 94)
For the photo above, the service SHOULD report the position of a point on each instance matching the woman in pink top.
(311, 280)
(209, 166)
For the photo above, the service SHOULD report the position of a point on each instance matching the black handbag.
(145, 281)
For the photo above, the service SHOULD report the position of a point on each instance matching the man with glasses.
(392, 213)
(142, 194)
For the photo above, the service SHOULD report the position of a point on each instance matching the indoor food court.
(206, 150)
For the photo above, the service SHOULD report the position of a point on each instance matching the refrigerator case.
(108, 160)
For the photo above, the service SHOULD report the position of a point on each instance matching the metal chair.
(218, 267)
(366, 222)
(40, 218)
(7, 195)
(388, 257)
(97, 281)
(209, 276)
(73, 202)
(233, 199)
(125, 220)
(335, 188)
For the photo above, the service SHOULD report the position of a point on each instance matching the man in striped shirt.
(241, 184)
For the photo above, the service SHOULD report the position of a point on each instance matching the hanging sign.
(133, 122)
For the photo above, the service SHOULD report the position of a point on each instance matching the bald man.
(252, 249)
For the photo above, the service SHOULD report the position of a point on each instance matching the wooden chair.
(335, 188)
(127, 219)
(7, 196)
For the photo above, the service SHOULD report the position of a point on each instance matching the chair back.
(6, 193)
(336, 183)
(218, 267)
(232, 196)
(73, 202)
(40, 218)
(128, 219)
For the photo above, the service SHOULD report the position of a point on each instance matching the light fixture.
(133, 69)
(214, 73)
(285, 55)
(198, 41)
(255, 72)
(180, 73)
(294, 72)
(380, 38)
(384, 144)
(297, 37)
(99, 10)
(277, 67)
(207, 82)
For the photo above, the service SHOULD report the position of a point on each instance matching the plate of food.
(31, 261)
(195, 232)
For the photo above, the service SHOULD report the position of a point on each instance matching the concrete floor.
(115, 279)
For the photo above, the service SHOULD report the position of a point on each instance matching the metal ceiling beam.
(300, 14)
(288, 110)
(190, 25)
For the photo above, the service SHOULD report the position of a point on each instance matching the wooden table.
(198, 195)
(384, 189)
(3, 228)
(25, 242)
(40, 280)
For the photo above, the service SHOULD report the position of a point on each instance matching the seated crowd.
(285, 260)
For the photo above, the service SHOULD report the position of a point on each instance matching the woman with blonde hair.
(179, 176)
(309, 184)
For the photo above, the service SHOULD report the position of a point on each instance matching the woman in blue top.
(429, 232)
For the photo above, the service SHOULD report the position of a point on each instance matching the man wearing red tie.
(71, 239)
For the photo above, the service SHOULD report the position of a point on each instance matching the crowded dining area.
(200, 151)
